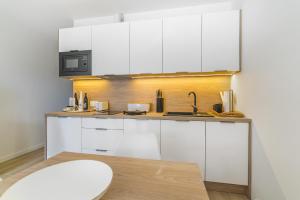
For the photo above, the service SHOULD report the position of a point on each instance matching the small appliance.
(99, 106)
(75, 63)
(139, 107)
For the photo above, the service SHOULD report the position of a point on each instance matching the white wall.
(29, 83)
(268, 92)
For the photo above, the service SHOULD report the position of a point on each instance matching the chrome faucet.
(195, 109)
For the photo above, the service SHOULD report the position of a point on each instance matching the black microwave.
(75, 63)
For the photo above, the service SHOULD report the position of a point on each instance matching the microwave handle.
(74, 51)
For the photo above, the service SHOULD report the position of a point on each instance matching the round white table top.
(76, 180)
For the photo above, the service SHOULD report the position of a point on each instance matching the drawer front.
(98, 152)
(101, 140)
(114, 124)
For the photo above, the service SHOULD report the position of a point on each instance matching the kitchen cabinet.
(77, 38)
(101, 136)
(184, 141)
(63, 134)
(113, 124)
(182, 44)
(137, 126)
(110, 49)
(101, 141)
(221, 41)
(146, 47)
(227, 152)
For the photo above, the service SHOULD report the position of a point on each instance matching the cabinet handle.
(221, 70)
(101, 129)
(228, 122)
(101, 150)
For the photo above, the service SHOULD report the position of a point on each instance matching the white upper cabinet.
(78, 38)
(195, 43)
(146, 47)
(184, 141)
(110, 49)
(182, 44)
(221, 41)
(227, 152)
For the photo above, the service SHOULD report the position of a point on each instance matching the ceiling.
(75, 9)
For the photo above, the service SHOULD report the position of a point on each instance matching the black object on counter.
(85, 102)
(159, 102)
(134, 112)
(218, 108)
(76, 99)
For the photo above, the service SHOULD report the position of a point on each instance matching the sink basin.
(191, 114)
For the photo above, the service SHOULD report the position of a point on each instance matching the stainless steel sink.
(189, 114)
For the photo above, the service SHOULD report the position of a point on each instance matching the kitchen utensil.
(134, 112)
(227, 99)
(218, 107)
(159, 102)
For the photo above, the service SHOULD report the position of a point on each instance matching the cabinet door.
(221, 41)
(63, 134)
(134, 126)
(105, 123)
(227, 152)
(182, 44)
(184, 141)
(110, 49)
(78, 38)
(146, 47)
(101, 140)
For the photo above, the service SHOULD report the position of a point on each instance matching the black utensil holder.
(160, 105)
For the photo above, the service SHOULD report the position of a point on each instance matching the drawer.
(115, 124)
(101, 140)
(98, 152)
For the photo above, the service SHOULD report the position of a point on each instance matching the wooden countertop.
(136, 179)
(154, 116)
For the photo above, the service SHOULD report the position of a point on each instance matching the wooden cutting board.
(136, 179)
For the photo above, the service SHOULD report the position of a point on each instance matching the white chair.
(143, 146)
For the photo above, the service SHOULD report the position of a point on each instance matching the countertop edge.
(150, 116)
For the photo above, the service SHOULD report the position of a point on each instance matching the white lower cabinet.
(136, 126)
(100, 141)
(227, 152)
(184, 141)
(101, 136)
(63, 134)
(219, 148)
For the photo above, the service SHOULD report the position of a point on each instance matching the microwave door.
(71, 64)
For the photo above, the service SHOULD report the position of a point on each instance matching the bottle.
(85, 102)
(80, 102)
(76, 99)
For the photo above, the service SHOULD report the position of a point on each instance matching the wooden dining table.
(135, 179)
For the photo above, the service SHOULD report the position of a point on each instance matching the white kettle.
(227, 99)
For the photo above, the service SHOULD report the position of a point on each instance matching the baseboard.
(223, 187)
(19, 153)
